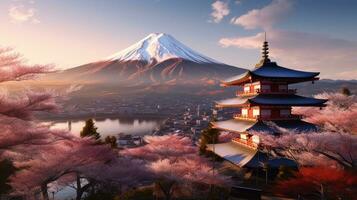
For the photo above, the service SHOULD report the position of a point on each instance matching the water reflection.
(112, 126)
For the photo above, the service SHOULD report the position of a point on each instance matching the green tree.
(89, 130)
(346, 91)
(101, 192)
(208, 136)
(285, 172)
(112, 140)
(6, 170)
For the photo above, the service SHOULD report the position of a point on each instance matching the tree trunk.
(167, 191)
(167, 195)
(322, 192)
(44, 192)
(79, 188)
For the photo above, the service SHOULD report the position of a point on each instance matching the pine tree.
(89, 130)
(6, 170)
(346, 91)
(112, 140)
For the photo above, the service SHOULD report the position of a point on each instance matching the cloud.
(335, 58)
(21, 13)
(220, 9)
(265, 17)
(348, 75)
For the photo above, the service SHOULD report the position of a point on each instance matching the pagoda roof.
(233, 102)
(243, 156)
(239, 126)
(272, 99)
(271, 71)
(237, 154)
(234, 125)
(236, 80)
(268, 70)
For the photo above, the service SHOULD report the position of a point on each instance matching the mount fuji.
(159, 47)
(157, 59)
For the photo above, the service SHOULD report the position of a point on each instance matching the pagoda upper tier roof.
(271, 71)
(271, 99)
(239, 126)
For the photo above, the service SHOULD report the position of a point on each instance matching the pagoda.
(264, 105)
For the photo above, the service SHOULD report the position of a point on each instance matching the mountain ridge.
(157, 59)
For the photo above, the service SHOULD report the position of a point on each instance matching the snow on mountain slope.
(159, 47)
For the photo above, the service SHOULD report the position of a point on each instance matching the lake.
(112, 126)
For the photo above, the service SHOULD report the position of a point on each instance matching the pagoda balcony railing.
(260, 117)
(245, 117)
(258, 91)
(288, 91)
(248, 142)
(246, 93)
(287, 117)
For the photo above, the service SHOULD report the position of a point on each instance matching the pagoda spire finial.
(265, 36)
(265, 52)
(265, 49)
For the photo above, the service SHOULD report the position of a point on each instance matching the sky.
(317, 35)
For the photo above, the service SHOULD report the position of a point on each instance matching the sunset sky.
(303, 34)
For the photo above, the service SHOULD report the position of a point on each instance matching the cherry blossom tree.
(14, 68)
(162, 147)
(80, 163)
(16, 111)
(335, 144)
(19, 133)
(121, 174)
(67, 157)
(338, 115)
(322, 148)
(183, 173)
(174, 163)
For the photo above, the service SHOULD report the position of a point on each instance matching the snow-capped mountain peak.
(159, 47)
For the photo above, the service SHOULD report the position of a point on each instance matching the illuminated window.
(256, 87)
(256, 112)
(244, 112)
(246, 89)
